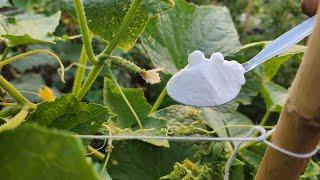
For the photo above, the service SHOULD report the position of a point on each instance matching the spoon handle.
(282, 43)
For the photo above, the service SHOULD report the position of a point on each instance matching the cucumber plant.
(39, 137)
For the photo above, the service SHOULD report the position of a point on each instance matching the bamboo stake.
(298, 128)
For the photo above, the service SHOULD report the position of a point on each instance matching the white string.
(95, 150)
(264, 135)
(169, 138)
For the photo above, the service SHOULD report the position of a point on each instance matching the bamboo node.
(306, 120)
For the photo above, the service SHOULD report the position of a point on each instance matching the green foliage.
(176, 33)
(137, 160)
(252, 161)
(312, 171)
(217, 119)
(26, 4)
(270, 68)
(215, 157)
(125, 117)
(34, 152)
(274, 96)
(249, 90)
(114, 100)
(188, 170)
(105, 17)
(182, 120)
(68, 113)
(28, 29)
(169, 34)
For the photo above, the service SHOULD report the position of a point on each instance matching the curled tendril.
(60, 71)
(77, 65)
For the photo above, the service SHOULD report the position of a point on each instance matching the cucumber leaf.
(274, 95)
(34, 152)
(174, 34)
(105, 17)
(68, 113)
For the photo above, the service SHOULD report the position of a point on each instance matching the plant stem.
(21, 100)
(93, 74)
(5, 53)
(84, 30)
(9, 112)
(80, 72)
(125, 99)
(265, 118)
(95, 152)
(7, 104)
(104, 167)
(15, 121)
(159, 100)
(109, 150)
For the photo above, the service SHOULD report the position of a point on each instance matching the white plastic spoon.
(215, 81)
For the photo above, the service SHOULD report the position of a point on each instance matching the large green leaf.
(274, 95)
(34, 152)
(271, 67)
(136, 160)
(67, 112)
(217, 119)
(176, 33)
(105, 17)
(28, 29)
(114, 100)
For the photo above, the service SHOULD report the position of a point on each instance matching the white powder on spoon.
(207, 82)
